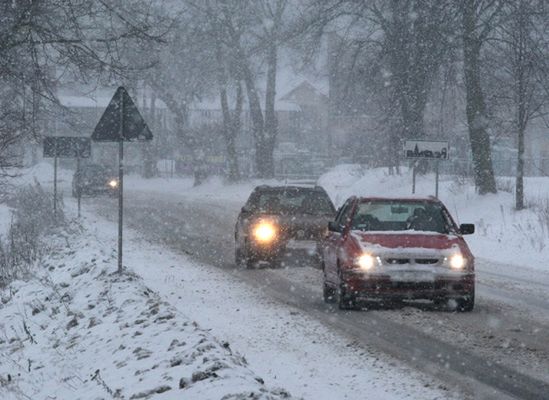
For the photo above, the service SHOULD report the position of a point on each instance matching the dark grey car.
(276, 219)
(93, 179)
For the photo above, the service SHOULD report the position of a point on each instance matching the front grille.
(398, 260)
(426, 260)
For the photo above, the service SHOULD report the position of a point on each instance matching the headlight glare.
(366, 262)
(457, 261)
(264, 232)
(113, 183)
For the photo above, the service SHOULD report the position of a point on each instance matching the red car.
(387, 249)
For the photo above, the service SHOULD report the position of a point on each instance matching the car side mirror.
(334, 227)
(467, 229)
(246, 210)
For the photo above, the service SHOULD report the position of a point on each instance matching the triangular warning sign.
(121, 121)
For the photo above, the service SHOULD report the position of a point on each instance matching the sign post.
(66, 147)
(428, 150)
(121, 122)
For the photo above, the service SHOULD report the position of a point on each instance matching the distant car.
(384, 249)
(93, 179)
(278, 218)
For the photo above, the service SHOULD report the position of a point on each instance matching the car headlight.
(113, 183)
(457, 261)
(367, 261)
(264, 232)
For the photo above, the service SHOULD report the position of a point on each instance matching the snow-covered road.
(498, 349)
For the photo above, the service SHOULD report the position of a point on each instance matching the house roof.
(304, 93)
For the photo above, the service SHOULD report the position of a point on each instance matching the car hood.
(409, 240)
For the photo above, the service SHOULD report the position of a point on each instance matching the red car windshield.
(395, 215)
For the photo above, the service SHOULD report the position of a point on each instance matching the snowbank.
(503, 235)
(80, 331)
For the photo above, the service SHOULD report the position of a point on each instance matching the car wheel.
(345, 301)
(239, 258)
(466, 304)
(440, 302)
(330, 294)
(248, 260)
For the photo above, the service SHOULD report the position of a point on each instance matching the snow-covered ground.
(282, 345)
(78, 330)
(503, 235)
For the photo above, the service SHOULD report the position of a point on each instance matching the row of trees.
(492, 53)
(42, 42)
(402, 60)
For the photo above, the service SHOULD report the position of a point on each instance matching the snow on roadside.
(502, 235)
(5, 220)
(79, 331)
(285, 346)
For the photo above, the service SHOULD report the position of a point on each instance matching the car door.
(242, 221)
(333, 242)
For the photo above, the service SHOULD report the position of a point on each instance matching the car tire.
(329, 293)
(239, 259)
(466, 303)
(440, 302)
(248, 261)
(345, 300)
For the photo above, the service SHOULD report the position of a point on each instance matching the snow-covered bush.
(33, 217)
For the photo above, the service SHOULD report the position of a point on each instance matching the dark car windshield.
(395, 215)
(294, 201)
(94, 170)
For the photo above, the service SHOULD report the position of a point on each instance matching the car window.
(397, 215)
(298, 201)
(343, 214)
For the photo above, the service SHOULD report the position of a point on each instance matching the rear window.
(92, 170)
(293, 201)
(399, 216)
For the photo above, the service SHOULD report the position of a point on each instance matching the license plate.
(412, 276)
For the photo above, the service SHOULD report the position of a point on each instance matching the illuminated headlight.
(367, 261)
(264, 232)
(113, 183)
(457, 261)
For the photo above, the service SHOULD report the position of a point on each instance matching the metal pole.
(436, 178)
(55, 184)
(120, 200)
(414, 178)
(120, 183)
(78, 191)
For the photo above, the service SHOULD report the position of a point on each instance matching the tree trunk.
(519, 183)
(476, 108)
(271, 123)
(231, 128)
(149, 167)
(261, 155)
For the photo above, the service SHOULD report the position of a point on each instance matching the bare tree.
(252, 33)
(478, 19)
(522, 52)
(42, 40)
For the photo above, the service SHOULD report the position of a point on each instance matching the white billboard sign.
(437, 150)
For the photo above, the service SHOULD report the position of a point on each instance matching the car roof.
(269, 188)
(431, 199)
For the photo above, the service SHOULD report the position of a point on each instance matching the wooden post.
(414, 178)
(55, 184)
(436, 178)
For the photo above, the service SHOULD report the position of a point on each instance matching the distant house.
(312, 119)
